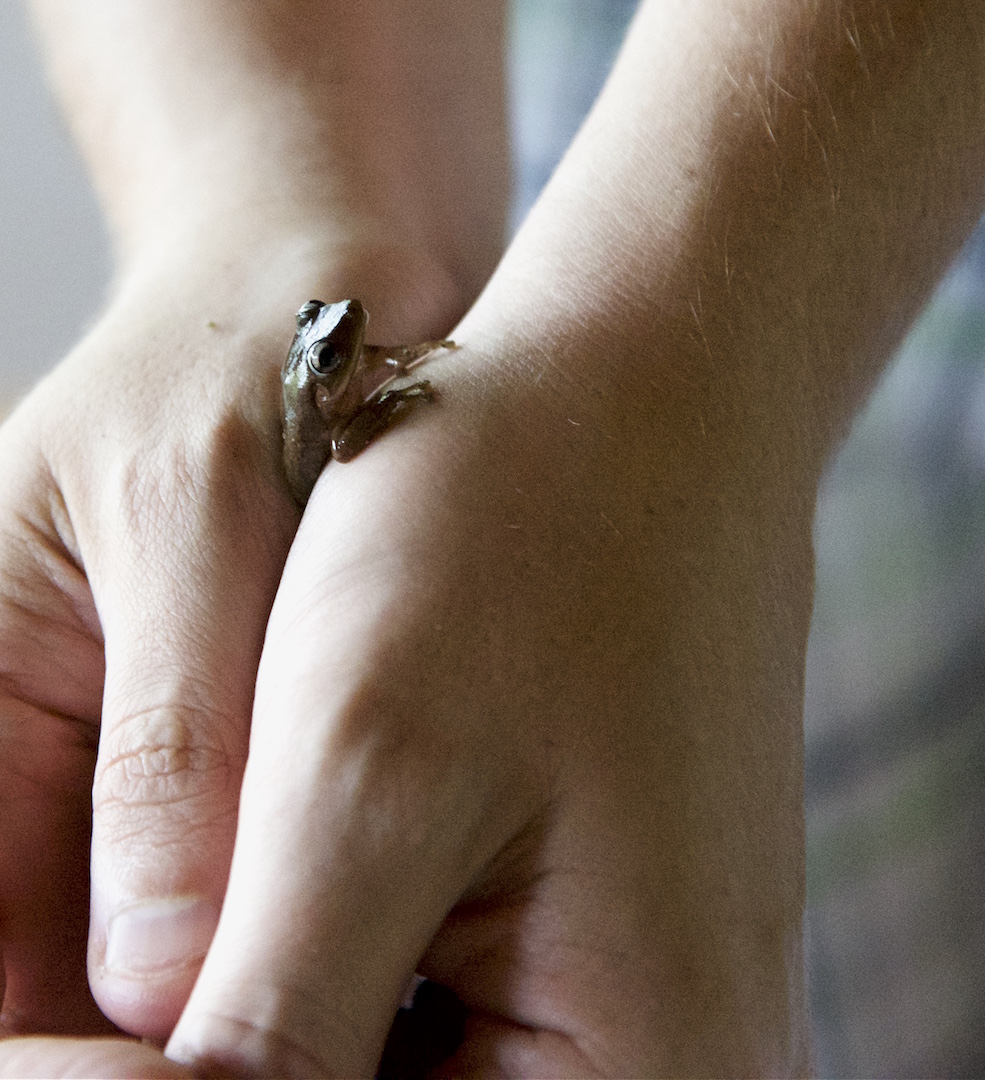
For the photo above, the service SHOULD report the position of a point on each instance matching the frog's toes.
(376, 416)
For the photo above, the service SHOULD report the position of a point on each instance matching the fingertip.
(143, 970)
(155, 938)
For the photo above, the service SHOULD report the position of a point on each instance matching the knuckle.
(164, 756)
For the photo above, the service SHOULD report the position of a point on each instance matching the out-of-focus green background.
(895, 711)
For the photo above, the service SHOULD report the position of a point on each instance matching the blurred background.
(895, 711)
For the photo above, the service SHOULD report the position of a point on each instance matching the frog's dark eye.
(325, 357)
(307, 312)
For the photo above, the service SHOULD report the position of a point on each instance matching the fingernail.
(157, 936)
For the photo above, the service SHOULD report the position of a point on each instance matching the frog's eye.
(325, 357)
(307, 312)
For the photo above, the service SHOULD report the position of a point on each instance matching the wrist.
(258, 268)
(195, 333)
(199, 115)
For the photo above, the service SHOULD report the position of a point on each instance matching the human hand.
(482, 745)
(689, 302)
(562, 714)
(144, 522)
(143, 516)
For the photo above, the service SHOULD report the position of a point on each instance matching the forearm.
(379, 124)
(759, 204)
(749, 219)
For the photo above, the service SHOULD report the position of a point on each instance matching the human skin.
(249, 157)
(527, 715)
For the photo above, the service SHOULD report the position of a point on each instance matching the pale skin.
(525, 716)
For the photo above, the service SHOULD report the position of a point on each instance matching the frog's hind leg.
(375, 417)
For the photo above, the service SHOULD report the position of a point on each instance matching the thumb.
(183, 610)
(366, 810)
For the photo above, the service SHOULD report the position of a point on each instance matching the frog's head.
(329, 342)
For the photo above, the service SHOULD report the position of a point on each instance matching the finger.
(51, 674)
(367, 807)
(183, 573)
(44, 892)
(45, 771)
(106, 1059)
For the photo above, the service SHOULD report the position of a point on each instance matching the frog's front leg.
(404, 357)
(379, 365)
(376, 415)
(396, 359)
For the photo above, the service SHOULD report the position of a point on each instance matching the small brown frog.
(335, 396)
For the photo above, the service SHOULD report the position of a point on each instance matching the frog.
(336, 392)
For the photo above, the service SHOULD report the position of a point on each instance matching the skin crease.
(527, 714)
